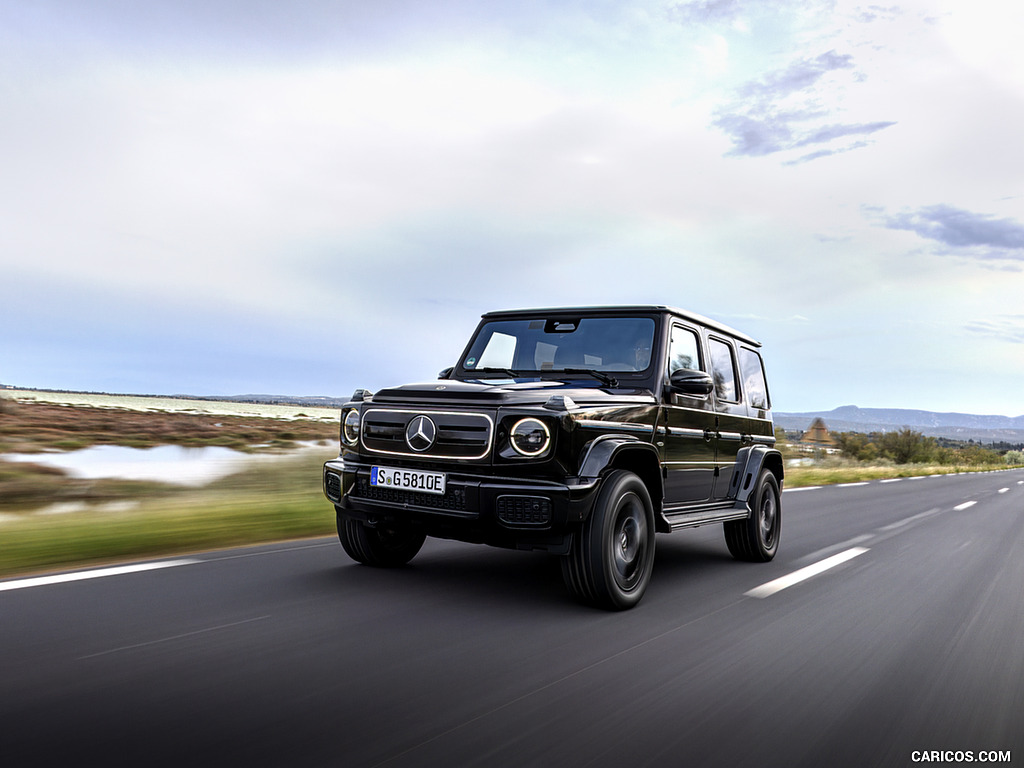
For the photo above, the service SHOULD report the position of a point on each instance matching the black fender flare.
(624, 452)
(749, 462)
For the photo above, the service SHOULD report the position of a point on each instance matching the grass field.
(50, 521)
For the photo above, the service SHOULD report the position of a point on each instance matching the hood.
(500, 392)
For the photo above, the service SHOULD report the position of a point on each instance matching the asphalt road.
(891, 623)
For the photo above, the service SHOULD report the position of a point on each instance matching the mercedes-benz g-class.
(578, 431)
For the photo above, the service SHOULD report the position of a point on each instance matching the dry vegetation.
(31, 427)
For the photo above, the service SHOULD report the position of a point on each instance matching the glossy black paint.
(693, 449)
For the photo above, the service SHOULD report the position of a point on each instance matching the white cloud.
(385, 187)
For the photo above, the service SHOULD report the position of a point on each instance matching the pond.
(166, 463)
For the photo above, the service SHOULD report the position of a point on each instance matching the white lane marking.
(173, 637)
(965, 505)
(891, 480)
(908, 520)
(1003, 490)
(804, 488)
(824, 551)
(61, 578)
(850, 485)
(770, 588)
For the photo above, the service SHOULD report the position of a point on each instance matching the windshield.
(535, 346)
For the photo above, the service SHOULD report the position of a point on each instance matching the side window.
(723, 370)
(754, 384)
(683, 351)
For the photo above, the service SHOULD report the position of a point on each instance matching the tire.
(610, 560)
(756, 539)
(382, 546)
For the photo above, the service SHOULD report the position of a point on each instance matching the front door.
(687, 429)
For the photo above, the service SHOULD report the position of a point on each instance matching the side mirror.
(689, 382)
(446, 373)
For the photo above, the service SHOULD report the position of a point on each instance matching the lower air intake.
(524, 511)
(332, 486)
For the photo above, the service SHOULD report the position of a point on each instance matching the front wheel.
(756, 539)
(610, 560)
(384, 545)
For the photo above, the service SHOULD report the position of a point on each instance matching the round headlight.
(530, 437)
(350, 427)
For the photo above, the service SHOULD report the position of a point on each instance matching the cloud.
(798, 76)
(730, 12)
(707, 11)
(958, 228)
(1003, 328)
(784, 110)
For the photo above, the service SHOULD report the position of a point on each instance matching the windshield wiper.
(508, 372)
(601, 376)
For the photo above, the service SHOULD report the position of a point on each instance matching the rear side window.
(723, 370)
(754, 383)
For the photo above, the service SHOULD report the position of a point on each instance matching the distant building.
(817, 436)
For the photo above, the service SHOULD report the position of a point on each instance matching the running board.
(723, 514)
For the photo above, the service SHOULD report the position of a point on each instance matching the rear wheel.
(385, 545)
(609, 563)
(756, 539)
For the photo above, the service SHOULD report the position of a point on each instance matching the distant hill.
(311, 401)
(955, 426)
(317, 401)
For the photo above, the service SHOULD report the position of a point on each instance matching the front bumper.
(502, 511)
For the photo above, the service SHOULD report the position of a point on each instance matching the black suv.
(579, 431)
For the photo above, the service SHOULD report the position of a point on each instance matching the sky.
(222, 197)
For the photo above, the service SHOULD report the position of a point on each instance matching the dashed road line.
(784, 582)
(832, 548)
(965, 505)
(909, 520)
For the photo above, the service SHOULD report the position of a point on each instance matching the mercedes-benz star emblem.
(420, 433)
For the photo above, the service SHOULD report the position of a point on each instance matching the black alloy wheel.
(610, 562)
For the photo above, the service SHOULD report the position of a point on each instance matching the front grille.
(453, 500)
(527, 511)
(458, 436)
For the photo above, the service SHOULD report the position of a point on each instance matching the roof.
(628, 309)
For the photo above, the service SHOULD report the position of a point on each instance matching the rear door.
(732, 423)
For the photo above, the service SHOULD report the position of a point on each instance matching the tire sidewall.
(620, 487)
(767, 490)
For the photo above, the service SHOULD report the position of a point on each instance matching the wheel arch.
(611, 452)
(748, 470)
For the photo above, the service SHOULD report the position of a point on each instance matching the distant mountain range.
(955, 426)
(847, 418)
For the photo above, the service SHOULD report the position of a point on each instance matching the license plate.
(408, 480)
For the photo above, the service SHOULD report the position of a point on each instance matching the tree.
(907, 446)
